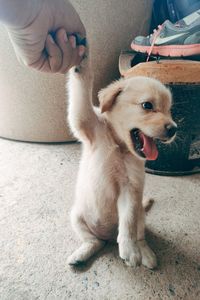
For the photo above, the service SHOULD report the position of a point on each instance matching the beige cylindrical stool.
(32, 104)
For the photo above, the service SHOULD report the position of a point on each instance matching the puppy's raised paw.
(130, 253)
(148, 256)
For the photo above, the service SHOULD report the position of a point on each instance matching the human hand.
(46, 34)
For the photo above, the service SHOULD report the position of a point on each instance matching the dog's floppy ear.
(108, 95)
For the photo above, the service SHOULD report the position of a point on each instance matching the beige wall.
(32, 104)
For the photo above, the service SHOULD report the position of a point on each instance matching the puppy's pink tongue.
(149, 147)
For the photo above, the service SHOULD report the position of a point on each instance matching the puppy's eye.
(147, 105)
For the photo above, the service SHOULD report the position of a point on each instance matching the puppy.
(117, 138)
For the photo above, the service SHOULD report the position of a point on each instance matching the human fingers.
(71, 53)
(53, 55)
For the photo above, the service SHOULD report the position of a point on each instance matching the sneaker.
(179, 39)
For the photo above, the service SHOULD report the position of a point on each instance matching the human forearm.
(19, 13)
(42, 33)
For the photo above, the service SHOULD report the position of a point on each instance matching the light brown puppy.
(117, 137)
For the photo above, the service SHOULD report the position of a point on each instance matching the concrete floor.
(36, 193)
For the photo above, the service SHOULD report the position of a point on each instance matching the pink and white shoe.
(179, 39)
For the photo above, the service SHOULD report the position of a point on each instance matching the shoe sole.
(172, 50)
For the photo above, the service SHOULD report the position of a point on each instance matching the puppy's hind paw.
(74, 260)
(84, 252)
(148, 256)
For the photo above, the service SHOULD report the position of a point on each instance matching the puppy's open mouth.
(144, 145)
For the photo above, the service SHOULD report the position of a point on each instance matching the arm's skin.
(40, 31)
(18, 13)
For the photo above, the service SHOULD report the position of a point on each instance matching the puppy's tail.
(147, 204)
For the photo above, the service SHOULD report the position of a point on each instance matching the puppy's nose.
(170, 130)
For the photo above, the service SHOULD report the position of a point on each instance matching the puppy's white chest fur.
(105, 169)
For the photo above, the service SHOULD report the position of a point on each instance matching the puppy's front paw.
(148, 257)
(84, 70)
(129, 252)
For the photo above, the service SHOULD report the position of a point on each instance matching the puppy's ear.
(108, 95)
